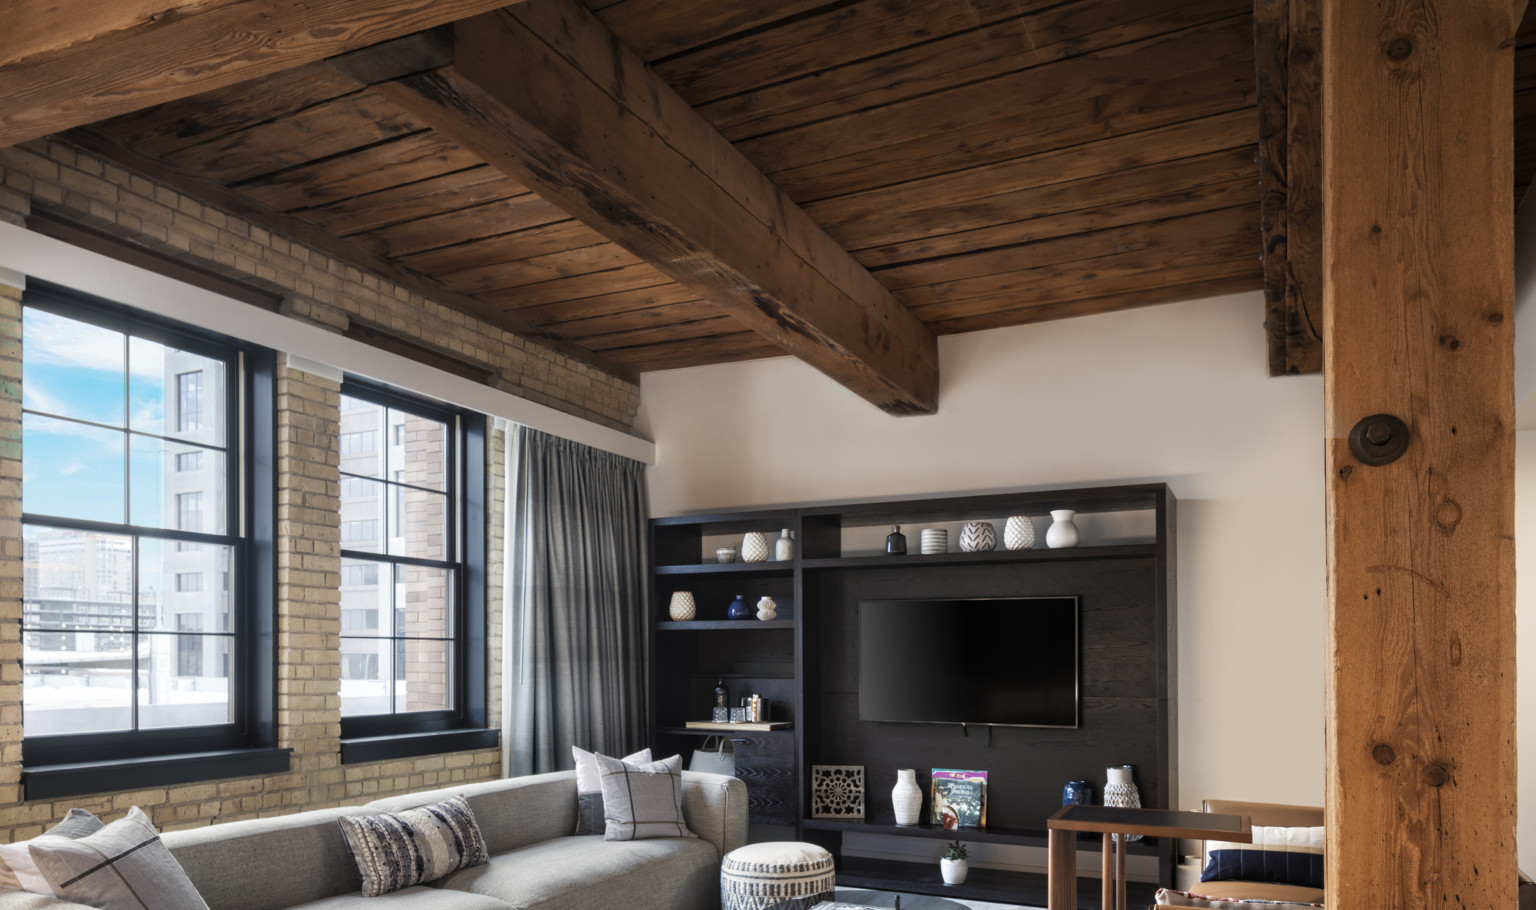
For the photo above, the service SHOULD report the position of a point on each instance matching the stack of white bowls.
(935, 540)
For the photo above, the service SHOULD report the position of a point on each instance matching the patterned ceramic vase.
(978, 537)
(725, 554)
(784, 547)
(907, 798)
(739, 609)
(1062, 532)
(754, 547)
(1019, 533)
(935, 540)
(683, 607)
(767, 609)
(1121, 792)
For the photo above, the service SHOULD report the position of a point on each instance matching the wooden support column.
(1418, 323)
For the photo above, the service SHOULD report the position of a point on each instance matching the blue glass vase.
(1077, 792)
(739, 609)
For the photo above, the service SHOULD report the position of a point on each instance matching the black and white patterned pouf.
(781, 874)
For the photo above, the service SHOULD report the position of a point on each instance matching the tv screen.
(1005, 661)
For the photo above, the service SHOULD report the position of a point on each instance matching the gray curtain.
(577, 605)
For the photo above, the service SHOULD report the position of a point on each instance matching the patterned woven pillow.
(121, 866)
(1171, 898)
(1282, 856)
(589, 789)
(398, 850)
(644, 799)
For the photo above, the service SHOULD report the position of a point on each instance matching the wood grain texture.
(164, 59)
(545, 93)
(1418, 322)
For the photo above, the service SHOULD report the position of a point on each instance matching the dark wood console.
(807, 662)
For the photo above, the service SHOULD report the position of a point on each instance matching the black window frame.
(380, 736)
(70, 764)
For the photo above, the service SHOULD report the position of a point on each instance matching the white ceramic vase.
(784, 547)
(978, 537)
(907, 798)
(1062, 533)
(954, 870)
(934, 541)
(1121, 792)
(683, 607)
(1019, 533)
(767, 609)
(754, 547)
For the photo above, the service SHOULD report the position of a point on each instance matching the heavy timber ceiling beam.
(544, 92)
(1419, 324)
(1288, 54)
(102, 58)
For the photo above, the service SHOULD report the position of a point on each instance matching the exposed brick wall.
(319, 290)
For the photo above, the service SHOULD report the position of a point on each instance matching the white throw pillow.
(124, 866)
(643, 800)
(589, 789)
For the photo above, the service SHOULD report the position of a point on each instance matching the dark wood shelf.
(1128, 498)
(1023, 837)
(690, 731)
(704, 625)
(729, 568)
(1001, 885)
(1117, 551)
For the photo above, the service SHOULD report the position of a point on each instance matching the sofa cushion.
(512, 813)
(589, 788)
(394, 851)
(589, 873)
(417, 898)
(232, 864)
(1281, 855)
(124, 865)
(642, 801)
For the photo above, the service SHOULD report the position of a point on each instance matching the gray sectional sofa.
(302, 861)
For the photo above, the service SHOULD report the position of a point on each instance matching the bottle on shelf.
(895, 542)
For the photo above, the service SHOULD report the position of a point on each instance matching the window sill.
(78, 778)
(382, 748)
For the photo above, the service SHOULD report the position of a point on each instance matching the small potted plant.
(955, 864)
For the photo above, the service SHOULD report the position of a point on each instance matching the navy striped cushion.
(1281, 856)
(395, 851)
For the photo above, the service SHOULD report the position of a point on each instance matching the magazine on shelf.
(959, 798)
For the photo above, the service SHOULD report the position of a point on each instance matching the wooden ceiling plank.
(710, 325)
(627, 278)
(732, 348)
(411, 201)
(498, 217)
(410, 159)
(567, 263)
(330, 128)
(1061, 208)
(119, 70)
(1194, 95)
(1031, 40)
(1288, 66)
(653, 318)
(545, 92)
(38, 26)
(917, 208)
(656, 30)
(167, 128)
(608, 304)
(213, 193)
(1063, 84)
(508, 247)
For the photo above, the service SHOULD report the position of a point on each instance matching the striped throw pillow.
(398, 850)
(642, 800)
(1281, 856)
(589, 789)
(122, 866)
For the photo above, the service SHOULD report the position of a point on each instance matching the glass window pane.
(422, 530)
(71, 470)
(365, 591)
(175, 393)
(362, 514)
(76, 682)
(367, 672)
(175, 485)
(419, 455)
(427, 674)
(178, 581)
(185, 680)
(72, 368)
(362, 438)
(423, 602)
(77, 580)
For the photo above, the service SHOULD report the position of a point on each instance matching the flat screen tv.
(1001, 661)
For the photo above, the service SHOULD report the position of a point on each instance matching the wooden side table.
(1109, 821)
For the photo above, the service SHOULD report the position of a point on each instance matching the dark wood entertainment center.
(807, 660)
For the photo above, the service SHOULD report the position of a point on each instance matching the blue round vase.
(739, 609)
(1077, 792)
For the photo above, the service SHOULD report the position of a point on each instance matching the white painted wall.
(1525, 643)
(1176, 393)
